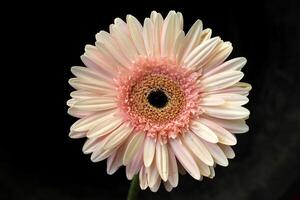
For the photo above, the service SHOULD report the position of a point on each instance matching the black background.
(39, 161)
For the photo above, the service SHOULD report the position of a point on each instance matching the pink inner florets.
(186, 80)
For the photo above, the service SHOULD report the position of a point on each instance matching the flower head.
(159, 101)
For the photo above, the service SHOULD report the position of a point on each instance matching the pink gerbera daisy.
(159, 101)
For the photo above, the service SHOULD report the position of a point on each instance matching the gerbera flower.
(159, 101)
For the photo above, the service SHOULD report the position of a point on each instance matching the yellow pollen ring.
(139, 103)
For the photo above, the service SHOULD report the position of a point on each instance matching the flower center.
(158, 98)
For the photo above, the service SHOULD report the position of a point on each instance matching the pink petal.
(152, 175)
(233, 126)
(217, 153)
(198, 148)
(162, 160)
(224, 136)
(88, 122)
(190, 40)
(168, 186)
(185, 158)
(135, 29)
(226, 111)
(203, 131)
(200, 53)
(118, 136)
(75, 135)
(204, 169)
(233, 64)
(156, 185)
(106, 125)
(135, 165)
(149, 150)
(143, 178)
(157, 21)
(116, 159)
(173, 170)
(133, 147)
(219, 55)
(228, 151)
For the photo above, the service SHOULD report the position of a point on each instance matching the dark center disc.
(157, 98)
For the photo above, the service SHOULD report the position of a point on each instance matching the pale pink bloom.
(159, 101)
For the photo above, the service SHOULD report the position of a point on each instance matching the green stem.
(133, 189)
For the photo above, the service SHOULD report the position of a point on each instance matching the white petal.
(79, 113)
(221, 80)
(168, 34)
(133, 146)
(203, 131)
(217, 154)
(149, 151)
(243, 85)
(99, 104)
(81, 94)
(218, 56)
(235, 64)
(180, 19)
(198, 148)
(89, 122)
(122, 25)
(156, 185)
(71, 102)
(181, 169)
(124, 43)
(185, 158)
(162, 160)
(92, 76)
(135, 165)
(233, 126)
(178, 22)
(228, 151)
(233, 99)
(178, 43)
(135, 29)
(100, 154)
(92, 144)
(148, 32)
(106, 41)
(97, 157)
(226, 111)
(105, 126)
(224, 136)
(118, 136)
(190, 41)
(201, 53)
(152, 175)
(168, 186)
(153, 15)
(143, 178)
(157, 20)
(211, 100)
(205, 35)
(85, 85)
(75, 135)
(108, 60)
(204, 169)
(173, 170)
(238, 88)
(93, 62)
(115, 160)
(112, 167)
(102, 58)
(212, 172)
